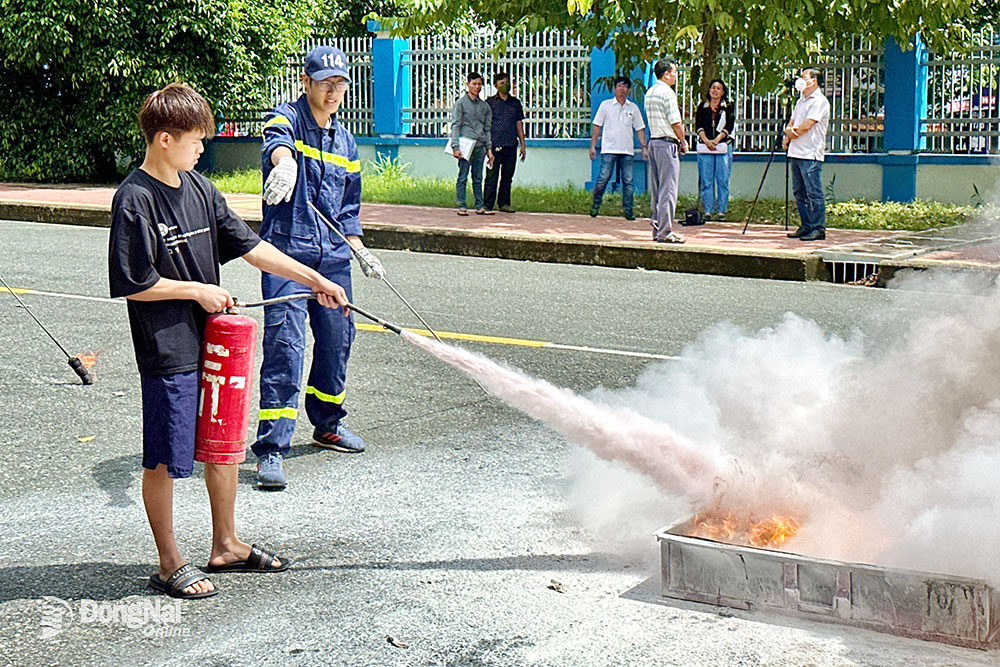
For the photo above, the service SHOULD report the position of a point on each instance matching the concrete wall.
(952, 184)
(555, 163)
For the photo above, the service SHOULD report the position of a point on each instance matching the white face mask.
(800, 84)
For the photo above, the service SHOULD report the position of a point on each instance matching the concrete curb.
(711, 260)
(778, 264)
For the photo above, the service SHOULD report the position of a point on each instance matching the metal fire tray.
(941, 608)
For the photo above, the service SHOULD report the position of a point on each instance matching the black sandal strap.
(184, 576)
(259, 559)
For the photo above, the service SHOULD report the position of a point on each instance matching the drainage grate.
(954, 610)
(853, 273)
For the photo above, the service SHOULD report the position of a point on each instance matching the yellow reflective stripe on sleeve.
(327, 398)
(270, 414)
(352, 166)
(277, 120)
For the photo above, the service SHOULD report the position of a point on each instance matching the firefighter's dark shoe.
(339, 438)
(270, 474)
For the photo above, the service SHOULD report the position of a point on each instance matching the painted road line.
(524, 342)
(445, 335)
(61, 295)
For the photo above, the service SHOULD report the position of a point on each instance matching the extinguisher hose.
(292, 297)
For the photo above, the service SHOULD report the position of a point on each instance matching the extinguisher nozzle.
(377, 320)
(81, 370)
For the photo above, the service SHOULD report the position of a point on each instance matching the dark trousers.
(504, 164)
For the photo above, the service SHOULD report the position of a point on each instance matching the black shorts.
(169, 416)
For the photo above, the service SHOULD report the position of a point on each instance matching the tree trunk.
(709, 54)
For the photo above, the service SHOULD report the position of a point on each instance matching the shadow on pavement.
(115, 476)
(74, 581)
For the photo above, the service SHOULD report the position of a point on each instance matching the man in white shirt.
(666, 145)
(805, 141)
(615, 121)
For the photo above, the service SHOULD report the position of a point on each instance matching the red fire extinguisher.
(227, 369)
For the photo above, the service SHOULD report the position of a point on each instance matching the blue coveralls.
(329, 175)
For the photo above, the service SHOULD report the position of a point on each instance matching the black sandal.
(259, 560)
(184, 576)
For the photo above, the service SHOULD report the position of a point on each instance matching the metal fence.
(550, 72)
(854, 85)
(356, 113)
(963, 115)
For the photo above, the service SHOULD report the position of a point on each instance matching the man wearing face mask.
(309, 157)
(805, 141)
(508, 132)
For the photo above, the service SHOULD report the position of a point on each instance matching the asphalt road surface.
(467, 534)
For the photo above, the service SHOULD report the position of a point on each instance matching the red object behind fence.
(227, 368)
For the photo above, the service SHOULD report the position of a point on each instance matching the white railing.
(963, 114)
(550, 73)
(853, 84)
(356, 113)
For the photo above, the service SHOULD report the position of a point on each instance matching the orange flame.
(88, 358)
(773, 531)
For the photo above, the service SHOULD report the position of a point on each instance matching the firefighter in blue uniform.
(308, 156)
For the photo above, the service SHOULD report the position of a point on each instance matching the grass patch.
(387, 182)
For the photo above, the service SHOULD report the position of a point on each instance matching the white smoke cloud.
(888, 452)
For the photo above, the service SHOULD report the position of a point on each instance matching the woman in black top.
(714, 120)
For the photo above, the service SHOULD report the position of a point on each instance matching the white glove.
(281, 181)
(370, 266)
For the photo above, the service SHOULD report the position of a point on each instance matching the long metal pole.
(361, 260)
(74, 362)
(340, 234)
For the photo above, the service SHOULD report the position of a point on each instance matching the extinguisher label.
(213, 365)
(217, 350)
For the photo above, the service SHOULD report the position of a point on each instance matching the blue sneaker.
(339, 438)
(269, 472)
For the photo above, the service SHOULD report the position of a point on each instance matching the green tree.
(73, 73)
(348, 18)
(777, 34)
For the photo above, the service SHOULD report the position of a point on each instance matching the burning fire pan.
(953, 610)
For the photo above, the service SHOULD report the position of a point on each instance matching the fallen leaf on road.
(395, 642)
(556, 586)
(86, 438)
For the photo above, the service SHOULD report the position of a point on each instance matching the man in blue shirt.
(508, 132)
(309, 157)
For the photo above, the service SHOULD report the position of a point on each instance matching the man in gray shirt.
(471, 121)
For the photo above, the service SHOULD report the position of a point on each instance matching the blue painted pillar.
(602, 64)
(905, 106)
(391, 91)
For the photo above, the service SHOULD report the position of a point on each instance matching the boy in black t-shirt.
(170, 230)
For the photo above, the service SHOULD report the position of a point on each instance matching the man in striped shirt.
(666, 145)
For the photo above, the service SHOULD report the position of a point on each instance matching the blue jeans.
(625, 163)
(284, 348)
(713, 171)
(476, 164)
(808, 189)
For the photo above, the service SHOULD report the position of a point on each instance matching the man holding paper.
(471, 121)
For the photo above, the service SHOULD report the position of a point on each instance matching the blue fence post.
(905, 108)
(602, 64)
(391, 91)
